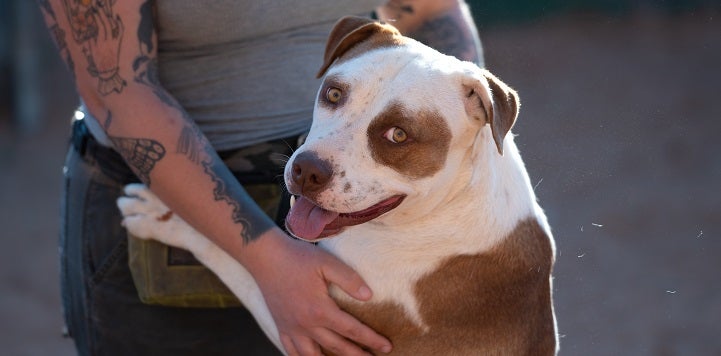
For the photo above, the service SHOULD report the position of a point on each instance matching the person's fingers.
(306, 347)
(349, 327)
(347, 279)
(288, 345)
(336, 344)
(313, 319)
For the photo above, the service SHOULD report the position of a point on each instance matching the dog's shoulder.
(494, 301)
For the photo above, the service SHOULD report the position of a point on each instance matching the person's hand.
(294, 277)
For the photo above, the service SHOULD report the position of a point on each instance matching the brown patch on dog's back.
(425, 151)
(498, 301)
(493, 303)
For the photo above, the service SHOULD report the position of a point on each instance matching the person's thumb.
(348, 280)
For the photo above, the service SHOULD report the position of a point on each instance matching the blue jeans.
(101, 307)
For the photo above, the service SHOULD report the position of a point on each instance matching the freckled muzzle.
(308, 177)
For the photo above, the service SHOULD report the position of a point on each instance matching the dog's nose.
(311, 173)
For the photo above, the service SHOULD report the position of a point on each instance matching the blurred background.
(619, 128)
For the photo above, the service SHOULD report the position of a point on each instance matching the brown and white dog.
(410, 176)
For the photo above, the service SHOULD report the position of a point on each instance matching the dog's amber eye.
(333, 95)
(396, 135)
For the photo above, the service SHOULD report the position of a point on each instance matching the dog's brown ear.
(497, 102)
(351, 30)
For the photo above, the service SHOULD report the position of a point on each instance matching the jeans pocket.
(105, 239)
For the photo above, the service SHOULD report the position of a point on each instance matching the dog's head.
(395, 129)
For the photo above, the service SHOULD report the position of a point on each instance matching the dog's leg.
(146, 217)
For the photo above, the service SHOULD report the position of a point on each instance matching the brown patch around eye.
(425, 146)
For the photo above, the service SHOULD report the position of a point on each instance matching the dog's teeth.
(292, 200)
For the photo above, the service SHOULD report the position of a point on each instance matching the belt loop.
(80, 137)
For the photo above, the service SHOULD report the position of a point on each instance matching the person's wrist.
(256, 255)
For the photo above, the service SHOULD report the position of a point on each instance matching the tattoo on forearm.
(57, 33)
(188, 144)
(99, 31)
(141, 154)
(446, 35)
(191, 142)
(253, 223)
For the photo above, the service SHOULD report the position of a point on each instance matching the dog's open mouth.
(308, 221)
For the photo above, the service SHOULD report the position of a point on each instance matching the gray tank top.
(243, 69)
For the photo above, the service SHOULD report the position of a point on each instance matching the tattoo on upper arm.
(99, 32)
(446, 35)
(140, 153)
(58, 34)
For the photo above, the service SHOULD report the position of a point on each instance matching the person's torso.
(245, 70)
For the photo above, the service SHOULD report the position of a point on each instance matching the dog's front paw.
(146, 217)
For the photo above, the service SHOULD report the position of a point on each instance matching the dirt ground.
(619, 128)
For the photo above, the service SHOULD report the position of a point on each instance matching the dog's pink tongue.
(307, 220)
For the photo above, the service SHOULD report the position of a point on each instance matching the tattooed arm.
(111, 46)
(445, 25)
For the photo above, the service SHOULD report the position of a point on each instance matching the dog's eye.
(396, 135)
(333, 95)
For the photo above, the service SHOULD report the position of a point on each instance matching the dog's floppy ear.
(491, 100)
(351, 30)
